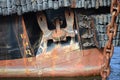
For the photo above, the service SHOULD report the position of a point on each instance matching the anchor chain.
(111, 33)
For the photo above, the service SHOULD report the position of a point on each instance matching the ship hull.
(59, 59)
(55, 63)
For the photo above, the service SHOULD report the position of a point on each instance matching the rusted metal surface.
(68, 60)
(73, 3)
(111, 33)
(64, 32)
(58, 34)
(42, 21)
(61, 61)
(22, 37)
(86, 30)
(71, 62)
(28, 51)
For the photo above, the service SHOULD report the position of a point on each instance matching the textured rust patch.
(73, 5)
(57, 63)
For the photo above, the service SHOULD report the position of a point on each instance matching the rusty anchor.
(69, 15)
(68, 30)
(59, 34)
(46, 33)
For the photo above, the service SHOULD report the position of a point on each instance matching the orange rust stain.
(25, 64)
(57, 60)
(73, 4)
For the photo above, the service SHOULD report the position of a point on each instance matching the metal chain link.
(111, 33)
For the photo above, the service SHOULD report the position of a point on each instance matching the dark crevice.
(33, 30)
(52, 15)
(9, 48)
(93, 11)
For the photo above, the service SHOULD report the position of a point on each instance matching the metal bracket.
(87, 31)
(59, 34)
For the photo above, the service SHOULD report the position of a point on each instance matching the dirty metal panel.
(7, 39)
(87, 31)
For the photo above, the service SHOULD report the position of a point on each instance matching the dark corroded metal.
(87, 31)
(58, 34)
(8, 7)
(111, 33)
